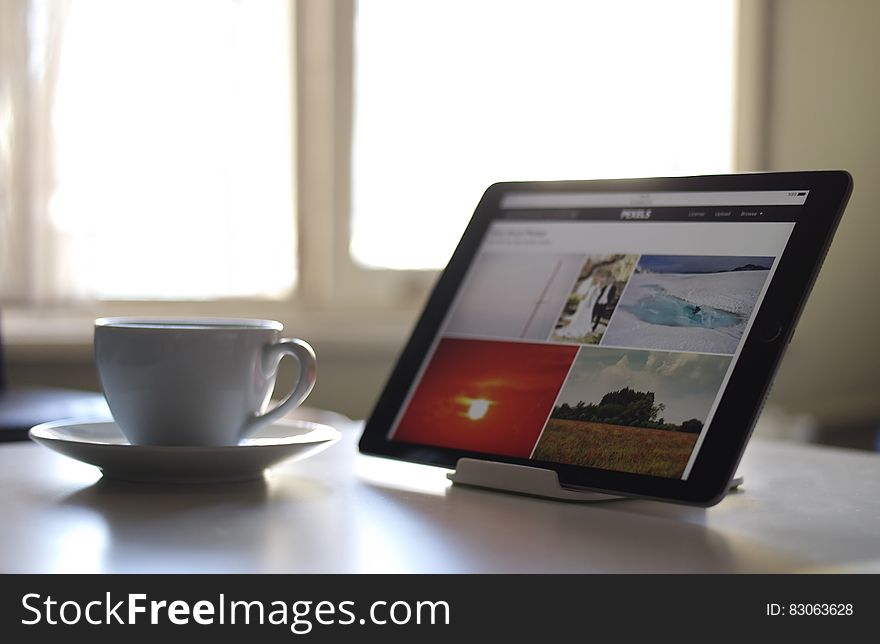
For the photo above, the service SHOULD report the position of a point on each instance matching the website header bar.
(535, 200)
(670, 214)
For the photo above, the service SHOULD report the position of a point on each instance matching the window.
(164, 133)
(169, 166)
(172, 124)
(454, 95)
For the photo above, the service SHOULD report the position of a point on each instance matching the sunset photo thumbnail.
(485, 396)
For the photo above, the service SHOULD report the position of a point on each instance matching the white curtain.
(31, 264)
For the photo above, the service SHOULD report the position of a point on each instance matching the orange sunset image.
(486, 396)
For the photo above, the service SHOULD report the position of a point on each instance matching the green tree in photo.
(625, 407)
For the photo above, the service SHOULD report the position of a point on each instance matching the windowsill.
(30, 336)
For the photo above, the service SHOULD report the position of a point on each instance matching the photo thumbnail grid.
(608, 360)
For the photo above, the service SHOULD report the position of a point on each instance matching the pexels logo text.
(635, 213)
(299, 616)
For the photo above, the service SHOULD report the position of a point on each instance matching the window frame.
(330, 285)
(331, 279)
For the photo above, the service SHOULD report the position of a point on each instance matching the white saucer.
(101, 443)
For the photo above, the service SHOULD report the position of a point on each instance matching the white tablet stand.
(533, 481)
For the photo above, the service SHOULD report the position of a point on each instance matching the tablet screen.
(599, 329)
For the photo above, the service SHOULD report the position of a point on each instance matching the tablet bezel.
(743, 397)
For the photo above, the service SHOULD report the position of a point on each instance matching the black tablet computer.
(623, 333)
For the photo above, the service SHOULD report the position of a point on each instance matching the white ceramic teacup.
(195, 381)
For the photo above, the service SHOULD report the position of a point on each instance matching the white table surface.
(802, 508)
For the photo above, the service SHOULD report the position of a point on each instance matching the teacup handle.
(308, 370)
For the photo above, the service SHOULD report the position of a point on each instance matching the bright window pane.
(172, 125)
(454, 95)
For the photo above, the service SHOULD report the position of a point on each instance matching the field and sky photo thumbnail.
(485, 396)
(632, 411)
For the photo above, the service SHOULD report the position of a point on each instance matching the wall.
(821, 97)
(349, 378)
(824, 112)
